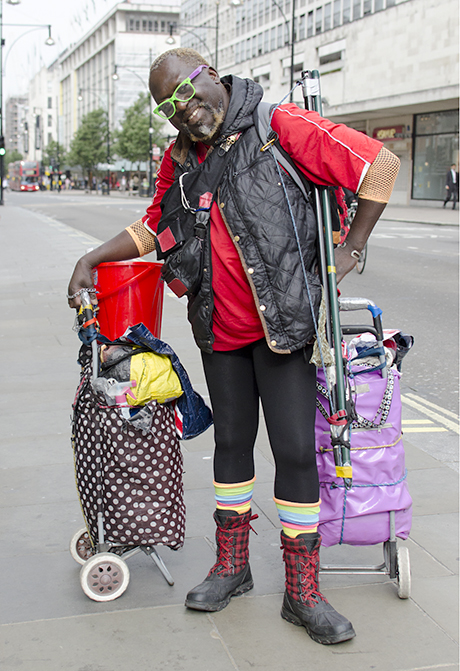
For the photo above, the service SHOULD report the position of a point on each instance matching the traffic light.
(2, 146)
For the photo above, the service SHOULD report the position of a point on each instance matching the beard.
(206, 131)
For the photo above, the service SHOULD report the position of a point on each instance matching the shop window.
(435, 149)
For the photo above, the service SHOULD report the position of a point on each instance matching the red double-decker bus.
(24, 175)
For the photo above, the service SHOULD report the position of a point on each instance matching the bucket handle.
(125, 284)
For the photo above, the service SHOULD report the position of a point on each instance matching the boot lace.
(308, 582)
(225, 547)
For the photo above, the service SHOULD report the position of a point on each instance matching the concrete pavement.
(48, 624)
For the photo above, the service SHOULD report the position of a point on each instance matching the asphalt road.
(411, 273)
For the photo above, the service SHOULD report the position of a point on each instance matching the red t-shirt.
(327, 153)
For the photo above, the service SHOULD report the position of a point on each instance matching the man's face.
(201, 117)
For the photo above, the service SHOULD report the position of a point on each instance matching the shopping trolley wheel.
(104, 577)
(80, 546)
(403, 575)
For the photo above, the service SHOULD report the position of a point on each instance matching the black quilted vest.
(253, 205)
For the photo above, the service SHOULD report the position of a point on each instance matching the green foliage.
(89, 144)
(11, 156)
(54, 154)
(132, 141)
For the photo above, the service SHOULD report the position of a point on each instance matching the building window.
(319, 20)
(367, 9)
(273, 39)
(50, 103)
(356, 10)
(50, 138)
(163, 26)
(302, 33)
(435, 149)
(327, 16)
(266, 41)
(50, 121)
(346, 17)
(310, 24)
(336, 18)
(280, 42)
(378, 5)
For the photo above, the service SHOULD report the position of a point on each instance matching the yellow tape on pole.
(344, 471)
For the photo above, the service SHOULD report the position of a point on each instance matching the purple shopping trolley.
(378, 507)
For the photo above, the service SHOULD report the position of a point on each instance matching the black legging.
(285, 383)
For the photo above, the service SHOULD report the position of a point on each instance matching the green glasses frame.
(162, 109)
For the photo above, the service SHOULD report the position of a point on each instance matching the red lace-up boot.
(231, 574)
(303, 603)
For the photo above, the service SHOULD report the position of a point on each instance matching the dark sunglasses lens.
(166, 110)
(185, 92)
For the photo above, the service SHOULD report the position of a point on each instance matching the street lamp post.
(115, 77)
(49, 42)
(2, 139)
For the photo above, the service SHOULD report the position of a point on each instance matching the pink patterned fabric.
(361, 516)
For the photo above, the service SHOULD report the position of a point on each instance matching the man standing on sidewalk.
(451, 186)
(252, 310)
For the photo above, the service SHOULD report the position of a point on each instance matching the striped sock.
(298, 518)
(236, 496)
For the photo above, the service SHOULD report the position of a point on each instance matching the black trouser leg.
(286, 385)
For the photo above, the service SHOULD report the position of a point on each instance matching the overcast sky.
(69, 19)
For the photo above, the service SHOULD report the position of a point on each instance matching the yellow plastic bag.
(155, 379)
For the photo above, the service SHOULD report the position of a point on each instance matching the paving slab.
(138, 640)
(391, 634)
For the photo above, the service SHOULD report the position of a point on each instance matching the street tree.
(89, 144)
(12, 155)
(54, 154)
(132, 141)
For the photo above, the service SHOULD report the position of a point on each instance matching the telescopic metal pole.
(340, 431)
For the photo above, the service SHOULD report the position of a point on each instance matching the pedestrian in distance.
(251, 312)
(451, 186)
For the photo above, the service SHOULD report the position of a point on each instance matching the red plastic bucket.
(129, 292)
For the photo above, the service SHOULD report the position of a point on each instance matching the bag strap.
(262, 115)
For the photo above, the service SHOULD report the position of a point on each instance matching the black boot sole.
(213, 607)
(291, 617)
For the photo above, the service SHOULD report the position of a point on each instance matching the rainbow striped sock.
(235, 496)
(298, 518)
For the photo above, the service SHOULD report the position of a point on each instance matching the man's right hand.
(82, 278)
(120, 248)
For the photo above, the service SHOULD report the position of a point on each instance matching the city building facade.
(109, 66)
(14, 115)
(389, 68)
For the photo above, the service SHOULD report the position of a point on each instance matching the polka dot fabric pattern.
(136, 475)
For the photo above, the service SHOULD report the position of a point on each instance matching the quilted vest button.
(236, 238)
(262, 308)
(250, 270)
(273, 343)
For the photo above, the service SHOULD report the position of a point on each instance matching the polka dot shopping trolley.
(128, 463)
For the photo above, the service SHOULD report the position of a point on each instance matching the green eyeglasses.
(184, 92)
